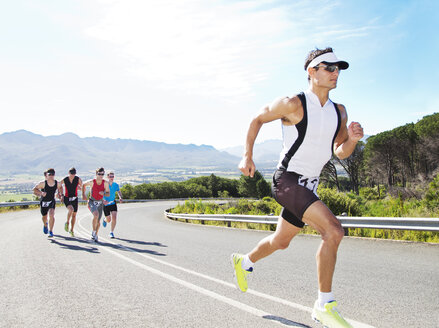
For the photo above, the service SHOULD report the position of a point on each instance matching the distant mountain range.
(264, 153)
(26, 152)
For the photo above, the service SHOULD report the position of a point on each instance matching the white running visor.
(329, 58)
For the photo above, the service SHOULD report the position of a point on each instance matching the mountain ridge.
(23, 151)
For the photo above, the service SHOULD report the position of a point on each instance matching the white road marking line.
(204, 291)
(239, 305)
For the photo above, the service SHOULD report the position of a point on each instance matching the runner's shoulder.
(40, 184)
(287, 104)
(88, 182)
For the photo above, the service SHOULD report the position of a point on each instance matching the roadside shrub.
(432, 194)
(374, 193)
(339, 202)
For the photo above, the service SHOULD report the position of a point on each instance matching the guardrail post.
(346, 230)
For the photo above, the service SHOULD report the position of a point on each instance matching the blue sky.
(197, 71)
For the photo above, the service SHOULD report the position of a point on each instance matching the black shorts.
(71, 201)
(110, 208)
(45, 206)
(295, 193)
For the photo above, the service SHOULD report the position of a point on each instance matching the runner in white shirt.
(313, 127)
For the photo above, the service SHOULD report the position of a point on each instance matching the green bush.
(374, 193)
(381, 208)
(339, 202)
(432, 194)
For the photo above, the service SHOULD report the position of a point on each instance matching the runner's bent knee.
(334, 233)
(280, 242)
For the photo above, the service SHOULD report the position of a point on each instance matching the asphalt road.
(161, 273)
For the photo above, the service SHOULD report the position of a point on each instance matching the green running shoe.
(71, 233)
(330, 317)
(240, 273)
(66, 227)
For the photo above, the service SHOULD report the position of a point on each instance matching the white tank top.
(322, 124)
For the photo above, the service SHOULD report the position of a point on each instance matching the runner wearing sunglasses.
(71, 185)
(313, 129)
(110, 207)
(46, 190)
(99, 189)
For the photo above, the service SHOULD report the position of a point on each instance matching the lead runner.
(313, 128)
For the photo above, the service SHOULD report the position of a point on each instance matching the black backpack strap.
(337, 110)
(301, 129)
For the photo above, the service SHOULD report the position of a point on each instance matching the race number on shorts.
(309, 183)
(46, 204)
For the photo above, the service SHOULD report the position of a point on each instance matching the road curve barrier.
(415, 224)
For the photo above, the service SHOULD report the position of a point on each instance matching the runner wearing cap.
(71, 185)
(46, 190)
(110, 207)
(313, 128)
(99, 189)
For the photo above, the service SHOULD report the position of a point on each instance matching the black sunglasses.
(50, 174)
(101, 174)
(329, 68)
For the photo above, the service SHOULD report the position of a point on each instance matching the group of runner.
(102, 199)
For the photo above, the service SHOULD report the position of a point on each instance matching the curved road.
(161, 273)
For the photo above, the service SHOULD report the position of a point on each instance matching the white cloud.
(210, 48)
(214, 48)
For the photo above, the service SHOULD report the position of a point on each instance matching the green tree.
(213, 184)
(432, 194)
(380, 158)
(263, 189)
(428, 132)
(256, 187)
(329, 175)
(127, 191)
(352, 165)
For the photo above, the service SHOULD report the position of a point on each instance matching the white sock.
(246, 263)
(325, 298)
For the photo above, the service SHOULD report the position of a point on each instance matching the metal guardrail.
(415, 224)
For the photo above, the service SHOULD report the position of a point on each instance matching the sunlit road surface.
(161, 273)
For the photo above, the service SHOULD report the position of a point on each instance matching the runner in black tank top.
(71, 188)
(49, 193)
(72, 183)
(46, 190)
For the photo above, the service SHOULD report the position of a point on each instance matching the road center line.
(204, 291)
